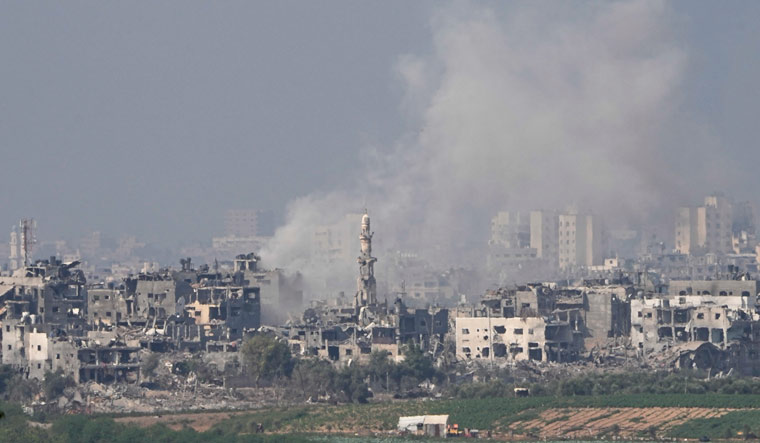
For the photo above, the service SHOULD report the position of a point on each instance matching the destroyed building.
(345, 332)
(721, 313)
(44, 299)
(51, 319)
(280, 294)
(544, 322)
(520, 324)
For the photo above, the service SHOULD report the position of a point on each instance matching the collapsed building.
(701, 323)
(345, 332)
(47, 298)
(544, 322)
(52, 319)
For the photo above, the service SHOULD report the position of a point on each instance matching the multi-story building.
(510, 230)
(705, 229)
(581, 240)
(336, 243)
(544, 235)
(509, 249)
(247, 223)
(713, 322)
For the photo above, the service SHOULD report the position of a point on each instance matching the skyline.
(152, 121)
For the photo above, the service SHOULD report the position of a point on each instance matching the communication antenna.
(28, 230)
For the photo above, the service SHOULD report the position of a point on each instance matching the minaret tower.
(366, 294)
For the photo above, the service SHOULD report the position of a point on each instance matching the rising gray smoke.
(543, 105)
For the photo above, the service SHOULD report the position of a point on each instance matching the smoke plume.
(543, 105)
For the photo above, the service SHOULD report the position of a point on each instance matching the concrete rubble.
(170, 339)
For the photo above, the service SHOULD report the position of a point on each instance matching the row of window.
(95, 314)
(499, 330)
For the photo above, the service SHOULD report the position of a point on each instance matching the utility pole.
(490, 337)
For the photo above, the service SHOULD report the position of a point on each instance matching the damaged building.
(543, 322)
(344, 332)
(51, 319)
(721, 313)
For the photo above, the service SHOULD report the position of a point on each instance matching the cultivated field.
(578, 423)
(198, 421)
(623, 416)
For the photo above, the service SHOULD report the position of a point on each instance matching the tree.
(6, 377)
(55, 383)
(314, 377)
(417, 365)
(265, 357)
(380, 367)
(351, 384)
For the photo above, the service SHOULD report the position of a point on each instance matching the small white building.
(430, 425)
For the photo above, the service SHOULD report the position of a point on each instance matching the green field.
(312, 422)
(489, 413)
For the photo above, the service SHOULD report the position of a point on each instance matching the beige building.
(247, 223)
(544, 235)
(705, 229)
(510, 230)
(581, 240)
(513, 339)
(337, 243)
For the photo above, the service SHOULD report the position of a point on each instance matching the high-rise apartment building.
(705, 229)
(510, 230)
(581, 240)
(248, 223)
(544, 232)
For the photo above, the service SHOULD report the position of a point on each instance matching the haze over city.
(252, 221)
(152, 120)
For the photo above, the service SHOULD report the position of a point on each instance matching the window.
(55, 308)
(518, 331)
(640, 314)
(465, 331)
(717, 316)
(701, 315)
(57, 356)
(466, 350)
(10, 347)
(108, 313)
(96, 297)
(39, 347)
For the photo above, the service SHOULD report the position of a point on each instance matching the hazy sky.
(153, 118)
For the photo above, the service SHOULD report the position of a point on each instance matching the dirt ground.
(566, 423)
(622, 422)
(200, 421)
